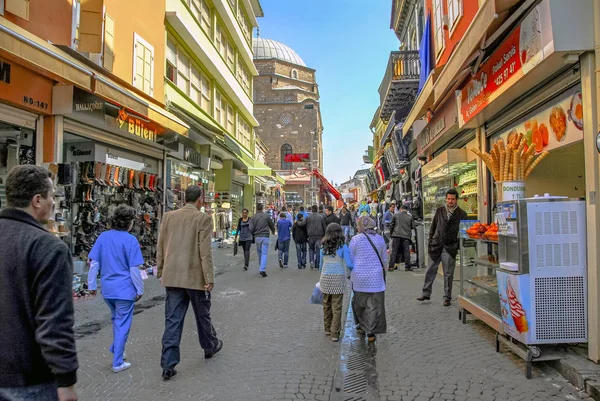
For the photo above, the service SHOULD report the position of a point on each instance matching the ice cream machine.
(542, 274)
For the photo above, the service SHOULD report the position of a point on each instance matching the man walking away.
(261, 226)
(38, 361)
(288, 213)
(401, 228)
(443, 245)
(388, 216)
(284, 227)
(346, 221)
(331, 217)
(302, 212)
(185, 265)
(300, 238)
(315, 227)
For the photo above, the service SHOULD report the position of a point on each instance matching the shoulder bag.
(378, 256)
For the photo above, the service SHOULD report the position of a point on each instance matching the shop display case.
(453, 168)
(478, 282)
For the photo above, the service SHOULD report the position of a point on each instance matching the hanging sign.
(25, 88)
(297, 157)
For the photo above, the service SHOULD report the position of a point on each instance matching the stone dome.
(265, 49)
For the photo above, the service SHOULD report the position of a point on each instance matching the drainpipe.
(590, 85)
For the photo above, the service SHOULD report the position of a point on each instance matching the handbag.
(378, 256)
(235, 248)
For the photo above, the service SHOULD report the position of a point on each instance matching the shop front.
(109, 155)
(523, 265)
(185, 167)
(25, 98)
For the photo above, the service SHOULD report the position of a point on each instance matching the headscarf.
(365, 225)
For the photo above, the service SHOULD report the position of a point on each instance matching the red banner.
(297, 157)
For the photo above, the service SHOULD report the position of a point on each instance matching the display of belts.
(93, 182)
(453, 168)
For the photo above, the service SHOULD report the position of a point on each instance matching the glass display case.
(478, 282)
(453, 168)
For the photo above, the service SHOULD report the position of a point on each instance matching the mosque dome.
(265, 49)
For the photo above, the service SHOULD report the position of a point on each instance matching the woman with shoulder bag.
(245, 236)
(369, 256)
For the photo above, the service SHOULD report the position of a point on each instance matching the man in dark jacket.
(346, 221)
(315, 227)
(401, 227)
(37, 352)
(331, 217)
(261, 227)
(300, 237)
(443, 245)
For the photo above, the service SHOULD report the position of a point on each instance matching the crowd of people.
(38, 356)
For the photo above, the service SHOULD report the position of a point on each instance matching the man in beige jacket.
(185, 266)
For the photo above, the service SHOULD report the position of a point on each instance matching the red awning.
(336, 194)
(296, 157)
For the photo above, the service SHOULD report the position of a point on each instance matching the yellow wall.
(146, 18)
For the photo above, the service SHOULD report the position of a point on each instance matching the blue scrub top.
(116, 252)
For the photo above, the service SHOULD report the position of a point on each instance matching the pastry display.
(489, 281)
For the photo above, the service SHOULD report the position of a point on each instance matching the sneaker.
(245, 267)
(281, 263)
(335, 339)
(122, 367)
(168, 373)
(285, 266)
(312, 265)
(327, 333)
(264, 274)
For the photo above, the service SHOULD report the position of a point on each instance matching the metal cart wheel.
(536, 352)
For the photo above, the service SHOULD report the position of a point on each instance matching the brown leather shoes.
(423, 298)
(447, 302)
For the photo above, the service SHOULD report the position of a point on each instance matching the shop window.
(108, 57)
(202, 12)
(455, 11)
(438, 12)
(19, 8)
(143, 65)
(286, 149)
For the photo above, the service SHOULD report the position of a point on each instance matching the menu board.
(558, 124)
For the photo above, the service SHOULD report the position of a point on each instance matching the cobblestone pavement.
(275, 348)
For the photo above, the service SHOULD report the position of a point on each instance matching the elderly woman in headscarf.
(369, 256)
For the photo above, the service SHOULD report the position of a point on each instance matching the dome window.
(295, 74)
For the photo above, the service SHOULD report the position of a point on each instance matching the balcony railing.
(401, 81)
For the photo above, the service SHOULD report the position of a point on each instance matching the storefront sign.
(80, 152)
(191, 156)
(25, 88)
(88, 105)
(557, 124)
(443, 120)
(518, 54)
(135, 126)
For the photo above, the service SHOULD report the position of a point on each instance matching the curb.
(579, 371)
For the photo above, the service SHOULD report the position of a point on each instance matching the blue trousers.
(38, 392)
(284, 250)
(262, 247)
(121, 316)
(301, 254)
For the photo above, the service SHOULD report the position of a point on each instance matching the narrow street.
(275, 348)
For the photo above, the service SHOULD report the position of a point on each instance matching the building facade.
(286, 104)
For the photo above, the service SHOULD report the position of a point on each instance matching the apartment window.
(232, 4)
(219, 107)
(244, 22)
(244, 77)
(244, 132)
(108, 57)
(230, 119)
(438, 12)
(19, 8)
(286, 149)
(189, 78)
(224, 46)
(201, 10)
(454, 13)
(143, 65)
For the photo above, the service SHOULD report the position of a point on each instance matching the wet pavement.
(275, 348)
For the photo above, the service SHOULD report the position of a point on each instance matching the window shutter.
(109, 43)
(90, 26)
(19, 8)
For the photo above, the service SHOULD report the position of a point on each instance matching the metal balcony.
(400, 84)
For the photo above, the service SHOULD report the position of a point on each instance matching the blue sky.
(348, 44)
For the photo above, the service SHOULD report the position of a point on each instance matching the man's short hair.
(404, 207)
(259, 207)
(321, 208)
(452, 191)
(123, 217)
(330, 208)
(301, 208)
(314, 208)
(25, 182)
(283, 215)
(193, 193)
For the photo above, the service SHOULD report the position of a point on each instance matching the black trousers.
(400, 246)
(246, 245)
(176, 306)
